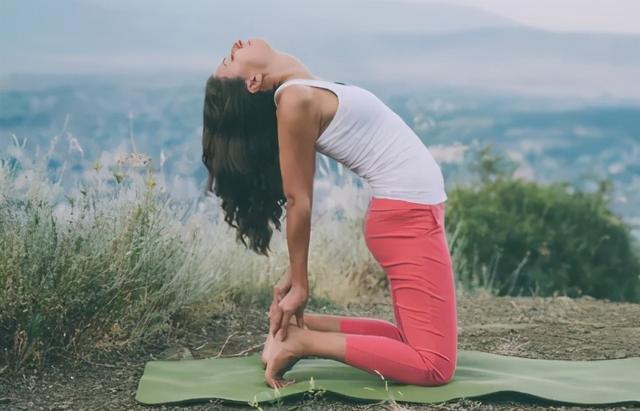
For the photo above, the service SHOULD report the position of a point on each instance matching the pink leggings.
(409, 241)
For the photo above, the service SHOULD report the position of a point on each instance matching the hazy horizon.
(422, 44)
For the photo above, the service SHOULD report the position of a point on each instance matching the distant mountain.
(549, 139)
(394, 46)
(152, 26)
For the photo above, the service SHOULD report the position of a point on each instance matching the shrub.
(116, 261)
(109, 269)
(543, 239)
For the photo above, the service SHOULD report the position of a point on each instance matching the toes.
(278, 382)
(284, 383)
(273, 377)
(276, 377)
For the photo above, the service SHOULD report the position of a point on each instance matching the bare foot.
(266, 351)
(282, 356)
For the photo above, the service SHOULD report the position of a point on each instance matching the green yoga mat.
(241, 379)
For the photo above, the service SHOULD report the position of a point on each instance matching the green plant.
(546, 239)
(108, 269)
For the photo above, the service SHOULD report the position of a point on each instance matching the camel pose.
(265, 118)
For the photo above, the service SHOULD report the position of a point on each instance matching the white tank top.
(375, 143)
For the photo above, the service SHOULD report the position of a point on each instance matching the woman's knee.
(447, 372)
(441, 371)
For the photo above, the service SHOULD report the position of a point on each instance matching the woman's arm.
(298, 125)
(298, 235)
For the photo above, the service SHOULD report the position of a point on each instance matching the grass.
(116, 260)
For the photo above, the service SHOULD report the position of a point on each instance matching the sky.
(534, 46)
(612, 16)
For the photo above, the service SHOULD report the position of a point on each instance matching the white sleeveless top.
(377, 145)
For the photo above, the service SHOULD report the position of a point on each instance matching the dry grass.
(117, 260)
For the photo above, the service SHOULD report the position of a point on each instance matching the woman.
(265, 116)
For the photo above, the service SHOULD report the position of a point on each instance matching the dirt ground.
(551, 328)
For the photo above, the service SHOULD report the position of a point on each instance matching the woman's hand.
(282, 287)
(293, 303)
(279, 291)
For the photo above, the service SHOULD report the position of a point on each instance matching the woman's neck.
(288, 67)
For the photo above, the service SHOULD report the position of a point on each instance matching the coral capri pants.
(409, 241)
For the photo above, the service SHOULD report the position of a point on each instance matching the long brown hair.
(240, 151)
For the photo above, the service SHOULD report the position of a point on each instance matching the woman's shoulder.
(298, 102)
(293, 94)
(303, 86)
